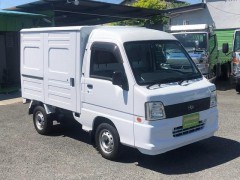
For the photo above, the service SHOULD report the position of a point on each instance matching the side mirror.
(225, 48)
(119, 79)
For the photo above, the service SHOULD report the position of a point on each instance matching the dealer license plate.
(190, 120)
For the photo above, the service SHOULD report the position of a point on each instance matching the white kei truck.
(125, 85)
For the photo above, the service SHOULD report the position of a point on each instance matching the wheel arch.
(48, 108)
(96, 122)
(32, 106)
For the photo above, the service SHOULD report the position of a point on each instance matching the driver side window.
(105, 60)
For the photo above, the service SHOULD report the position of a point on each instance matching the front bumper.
(156, 137)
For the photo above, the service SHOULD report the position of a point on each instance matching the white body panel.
(60, 68)
(102, 99)
(155, 137)
(51, 56)
(50, 60)
(32, 66)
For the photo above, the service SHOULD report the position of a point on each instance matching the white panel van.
(126, 85)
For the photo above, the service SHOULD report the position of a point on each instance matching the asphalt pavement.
(68, 154)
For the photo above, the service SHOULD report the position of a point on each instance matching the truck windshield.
(196, 41)
(160, 62)
(237, 41)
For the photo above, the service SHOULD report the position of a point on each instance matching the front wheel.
(42, 121)
(107, 141)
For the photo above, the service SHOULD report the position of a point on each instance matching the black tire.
(225, 71)
(238, 87)
(217, 70)
(42, 121)
(107, 141)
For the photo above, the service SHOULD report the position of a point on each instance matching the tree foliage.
(172, 5)
(149, 4)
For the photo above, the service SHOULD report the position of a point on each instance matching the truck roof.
(64, 28)
(120, 33)
(126, 34)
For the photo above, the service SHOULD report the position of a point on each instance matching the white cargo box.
(51, 60)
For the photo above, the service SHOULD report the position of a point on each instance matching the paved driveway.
(68, 154)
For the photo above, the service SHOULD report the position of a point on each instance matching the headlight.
(154, 111)
(213, 99)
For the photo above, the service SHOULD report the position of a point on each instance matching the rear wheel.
(225, 71)
(238, 87)
(107, 141)
(42, 121)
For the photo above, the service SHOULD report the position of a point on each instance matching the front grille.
(185, 108)
(179, 131)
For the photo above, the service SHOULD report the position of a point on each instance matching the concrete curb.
(10, 101)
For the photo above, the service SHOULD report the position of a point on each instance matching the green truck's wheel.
(225, 71)
(238, 87)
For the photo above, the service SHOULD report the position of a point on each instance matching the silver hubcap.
(106, 141)
(39, 120)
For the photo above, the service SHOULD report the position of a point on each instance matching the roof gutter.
(185, 9)
(17, 13)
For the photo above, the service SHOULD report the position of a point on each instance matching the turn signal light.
(235, 60)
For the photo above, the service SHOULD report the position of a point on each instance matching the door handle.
(90, 86)
(72, 82)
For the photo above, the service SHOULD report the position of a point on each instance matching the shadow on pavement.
(189, 159)
(4, 96)
(69, 127)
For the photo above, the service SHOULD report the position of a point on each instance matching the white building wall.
(201, 16)
(224, 14)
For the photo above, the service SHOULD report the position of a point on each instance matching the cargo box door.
(60, 69)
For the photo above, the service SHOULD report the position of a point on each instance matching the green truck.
(200, 40)
(225, 36)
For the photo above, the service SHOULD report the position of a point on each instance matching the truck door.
(101, 96)
(213, 54)
(60, 69)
